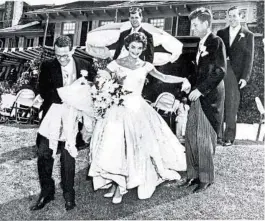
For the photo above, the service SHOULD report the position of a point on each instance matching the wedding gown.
(132, 145)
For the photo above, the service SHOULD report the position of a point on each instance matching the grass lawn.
(238, 192)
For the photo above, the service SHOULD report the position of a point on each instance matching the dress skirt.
(134, 147)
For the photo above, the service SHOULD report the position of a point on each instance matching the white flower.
(203, 48)
(203, 51)
(242, 35)
(84, 73)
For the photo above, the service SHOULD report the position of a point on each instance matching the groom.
(59, 72)
(207, 102)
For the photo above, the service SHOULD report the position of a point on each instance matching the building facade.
(77, 18)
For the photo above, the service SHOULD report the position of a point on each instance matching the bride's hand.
(186, 86)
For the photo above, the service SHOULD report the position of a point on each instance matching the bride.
(132, 146)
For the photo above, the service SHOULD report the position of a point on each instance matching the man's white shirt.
(233, 33)
(201, 43)
(135, 30)
(69, 73)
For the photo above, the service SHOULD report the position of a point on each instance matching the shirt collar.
(202, 41)
(136, 29)
(236, 29)
(70, 64)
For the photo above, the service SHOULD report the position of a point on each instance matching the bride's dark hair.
(138, 37)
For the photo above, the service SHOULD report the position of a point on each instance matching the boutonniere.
(84, 73)
(242, 35)
(203, 50)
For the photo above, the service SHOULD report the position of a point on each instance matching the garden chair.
(165, 102)
(6, 109)
(22, 105)
(262, 117)
(36, 112)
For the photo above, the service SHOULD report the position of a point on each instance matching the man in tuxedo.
(59, 72)
(136, 18)
(239, 43)
(207, 101)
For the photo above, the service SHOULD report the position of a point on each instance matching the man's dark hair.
(233, 8)
(203, 14)
(63, 41)
(134, 10)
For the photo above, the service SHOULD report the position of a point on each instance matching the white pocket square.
(204, 53)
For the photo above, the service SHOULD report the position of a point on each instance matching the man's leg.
(232, 100)
(67, 176)
(45, 166)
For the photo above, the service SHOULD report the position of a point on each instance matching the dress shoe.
(190, 182)
(201, 187)
(228, 143)
(41, 202)
(69, 205)
(220, 142)
(111, 192)
(109, 195)
(117, 199)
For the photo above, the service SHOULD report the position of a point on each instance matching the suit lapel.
(226, 37)
(206, 44)
(78, 67)
(236, 38)
(58, 78)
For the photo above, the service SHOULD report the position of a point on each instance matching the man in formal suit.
(136, 18)
(207, 101)
(239, 43)
(59, 72)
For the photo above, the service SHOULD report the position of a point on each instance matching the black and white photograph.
(132, 110)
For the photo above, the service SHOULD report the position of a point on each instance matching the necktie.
(199, 52)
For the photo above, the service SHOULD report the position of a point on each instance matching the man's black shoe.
(220, 142)
(69, 205)
(201, 187)
(190, 182)
(41, 202)
(228, 143)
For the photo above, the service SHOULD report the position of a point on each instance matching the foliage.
(248, 112)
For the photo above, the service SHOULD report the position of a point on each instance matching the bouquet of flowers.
(107, 92)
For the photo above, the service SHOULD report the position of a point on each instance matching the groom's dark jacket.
(147, 55)
(51, 78)
(210, 72)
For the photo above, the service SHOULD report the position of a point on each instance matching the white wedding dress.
(132, 145)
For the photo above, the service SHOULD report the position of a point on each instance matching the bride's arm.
(166, 78)
(171, 79)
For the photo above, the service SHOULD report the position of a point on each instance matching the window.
(101, 23)
(2, 42)
(13, 42)
(69, 28)
(29, 42)
(157, 22)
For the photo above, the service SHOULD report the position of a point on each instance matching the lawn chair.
(22, 105)
(165, 102)
(36, 112)
(262, 117)
(6, 109)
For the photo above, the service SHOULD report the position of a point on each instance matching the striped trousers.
(200, 143)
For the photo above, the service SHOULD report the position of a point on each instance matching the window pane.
(157, 22)
(101, 23)
(69, 28)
